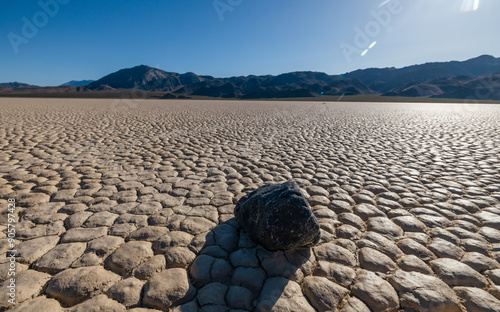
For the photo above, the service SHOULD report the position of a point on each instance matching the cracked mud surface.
(130, 207)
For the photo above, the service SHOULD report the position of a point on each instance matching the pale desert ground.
(128, 205)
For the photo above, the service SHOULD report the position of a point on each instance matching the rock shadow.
(231, 271)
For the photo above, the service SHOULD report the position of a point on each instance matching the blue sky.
(87, 39)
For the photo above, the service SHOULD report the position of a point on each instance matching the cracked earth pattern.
(130, 207)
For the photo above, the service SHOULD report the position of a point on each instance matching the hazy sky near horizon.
(44, 44)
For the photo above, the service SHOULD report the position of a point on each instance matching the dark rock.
(278, 217)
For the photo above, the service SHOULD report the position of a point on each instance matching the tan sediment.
(122, 183)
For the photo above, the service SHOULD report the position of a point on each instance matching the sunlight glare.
(476, 5)
(384, 3)
(469, 5)
(369, 47)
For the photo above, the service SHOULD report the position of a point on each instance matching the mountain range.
(77, 83)
(15, 85)
(477, 78)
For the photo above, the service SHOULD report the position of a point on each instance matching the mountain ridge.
(454, 79)
(15, 85)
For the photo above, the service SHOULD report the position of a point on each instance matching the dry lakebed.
(115, 205)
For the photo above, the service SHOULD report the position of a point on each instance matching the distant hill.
(77, 83)
(456, 87)
(387, 79)
(145, 78)
(293, 84)
(476, 78)
(480, 88)
(15, 85)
